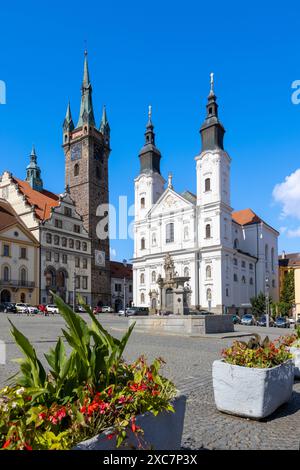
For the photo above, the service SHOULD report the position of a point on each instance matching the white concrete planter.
(161, 432)
(296, 359)
(251, 392)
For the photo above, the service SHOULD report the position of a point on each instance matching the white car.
(32, 309)
(121, 313)
(292, 321)
(22, 308)
(107, 309)
(51, 308)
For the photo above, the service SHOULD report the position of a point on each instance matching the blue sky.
(160, 53)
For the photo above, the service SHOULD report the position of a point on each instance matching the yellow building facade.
(288, 262)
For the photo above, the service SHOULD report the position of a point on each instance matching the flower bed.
(84, 394)
(253, 379)
(293, 343)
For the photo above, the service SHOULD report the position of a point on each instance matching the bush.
(255, 353)
(83, 394)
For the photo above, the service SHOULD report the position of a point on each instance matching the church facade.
(225, 256)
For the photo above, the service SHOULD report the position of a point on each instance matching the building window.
(142, 203)
(58, 223)
(208, 272)
(48, 238)
(243, 264)
(84, 263)
(251, 266)
(153, 276)
(251, 281)
(207, 184)
(273, 283)
(153, 239)
(142, 278)
(243, 280)
(6, 273)
(266, 256)
(142, 298)
(235, 261)
(23, 276)
(236, 244)
(64, 259)
(170, 233)
(208, 294)
(56, 240)
(84, 246)
(71, 243)
(76, 169)
(186, 272)
(64, 241)
(272, 259)
(48, 256)
(77, 262)
(235, 278)
(78, 245)
(118, 287)
(77, 282)
(208, 231)
(227, 292)
(84, 282)
(142, 243)
(23, 253)
(77, 228)
(56, 257)
(130, 288)
(68, 211)
(186, 233)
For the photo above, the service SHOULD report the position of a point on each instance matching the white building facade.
(228, 256)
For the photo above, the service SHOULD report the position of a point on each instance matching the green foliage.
(258, 304)
(84, 393)
(287, 295)
(256, 353)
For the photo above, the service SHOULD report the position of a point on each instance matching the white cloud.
(283, 230)
(113, 252)
(293, 233)
(288, 194)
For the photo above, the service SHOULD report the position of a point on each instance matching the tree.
(258, 304)
(287, 296)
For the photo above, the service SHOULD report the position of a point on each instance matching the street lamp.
(267, 302)
(125, 266)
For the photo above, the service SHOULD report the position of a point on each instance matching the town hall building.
(193, 248)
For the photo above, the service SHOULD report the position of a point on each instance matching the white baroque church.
(226, 257)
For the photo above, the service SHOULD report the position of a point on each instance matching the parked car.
(80, 309)
(31, 309)
(121, 312)
(282, 322)
(21, 308)
(97, 309)
(292, 321)
(248, 319)
(51, 308)
(236, 319)
(8, 307)
(136, 311)
(262, 321)
(107, 309)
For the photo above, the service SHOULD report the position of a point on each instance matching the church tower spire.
(68, 124)
(149, 154)
(86, 113)
(212, 131)
(33, 172)
(104, 125)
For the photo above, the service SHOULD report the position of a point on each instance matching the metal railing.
(16, 283)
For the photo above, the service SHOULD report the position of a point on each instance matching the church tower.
(149, 185)
(87, 151)
(214, 210)
(33, 172)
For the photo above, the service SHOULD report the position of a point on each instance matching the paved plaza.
(188, 364)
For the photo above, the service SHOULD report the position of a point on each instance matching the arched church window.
(208, 231)
(142, 278)
(186, 272)
(142, 203)
(207, 184)
(170, 233)
(153, 276)
(76, 169)
(208, 272)
(143, 243)
(142, 298)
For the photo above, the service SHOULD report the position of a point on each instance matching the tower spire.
(212, 131)
(104, 125)
(86, 113)
(68, 124)
(33, 172)
(150, 155)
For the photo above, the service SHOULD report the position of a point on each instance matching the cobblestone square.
(188, 364)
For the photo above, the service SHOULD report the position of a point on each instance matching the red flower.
(42, 416)
(6, 444)
(134, 427)
(83, 409)
(122, 399)
(110, 436)
(109, 391)
(27, 446)
(155, 392)
(53, 420)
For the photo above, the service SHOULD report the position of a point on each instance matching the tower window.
(210, 110)
(142, 203)
(208, 272)
(76, 169)
(142, 243)
(170, 233)
(208, 231)
(236, 244)
(207, 184)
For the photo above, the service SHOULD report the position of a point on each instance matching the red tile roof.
(119, 271)
(43, 200)
(246, 217)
